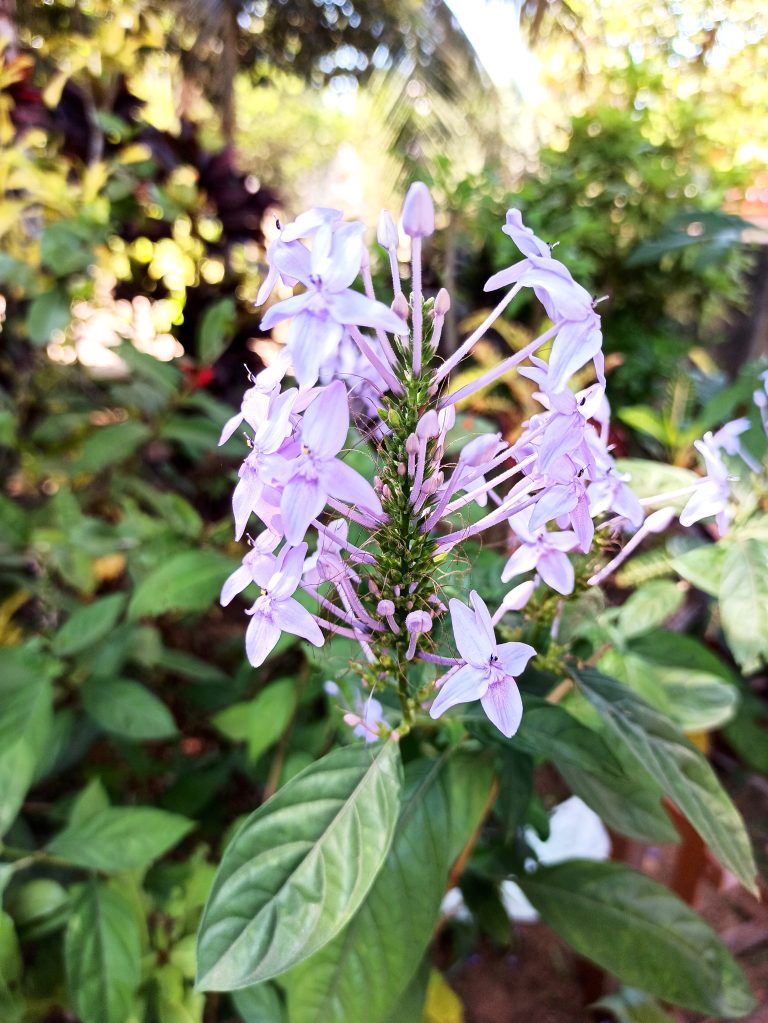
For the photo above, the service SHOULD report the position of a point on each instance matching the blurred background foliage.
(145, 150)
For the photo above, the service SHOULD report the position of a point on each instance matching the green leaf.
(217, 325)
(649, 607)
(102, 956)
(410, 1006)
(629, 801)
(120, 837)
(640, 932)
(259, 1004)
(694, 700)
(92, 800)
(47, 313)
(703, 566)
(646, 420)
(748, 732)
(259, 722)
(128, 709)
(25, 676)
(363, 972)
(677, 766)
(190, 581)
(110, 445)
(630, 1006)
(300, 867)
(88, 624)
(66, 246)
(744, 601)
(26, 698)
(650, 478)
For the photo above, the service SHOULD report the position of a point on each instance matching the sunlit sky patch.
(493, 28)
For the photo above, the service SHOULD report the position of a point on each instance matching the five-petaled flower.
(489, 671)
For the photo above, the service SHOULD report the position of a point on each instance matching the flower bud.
(386, 232)
(442, 303)
(428, 425)
(418, 621)
(400, 306)
(418, 211)
(385, 607)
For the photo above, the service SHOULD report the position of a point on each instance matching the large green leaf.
(259, 1004)
(702, 566)
(695, 700)
(363, 972)
(26, 698)
(102, 955)
(120, 837)
(300, 866)
(648, 607)
(641, 932)
(744, 601)
(629, 801)
(127, 708)
(677, 766)
(88, 624)
(190, 581)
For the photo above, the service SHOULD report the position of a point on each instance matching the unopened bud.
(411, 444)
(386, 607)
(432, 484)
(418, 621)
(418, 211)
(428, 425)
(401, 468)
(400, 306)
(386, 232)
(442, 303)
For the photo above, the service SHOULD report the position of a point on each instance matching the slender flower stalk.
(466, 347)
(501, 370)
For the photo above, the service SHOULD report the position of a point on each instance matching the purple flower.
(566, 424)
(490, 669)
(326, 564)
(567, 303)
(320, 314)
(259, 554)
(316, 474)
(276, 611)
(727, 439)
(543, 551)
(610, 491)
(260, 465)
(292, 256)
(523, 236)
(565, 498)
(712, 494)
(475, 453)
